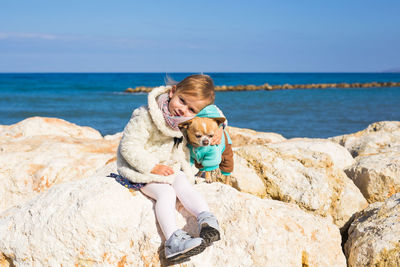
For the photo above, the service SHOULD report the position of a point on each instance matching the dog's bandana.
(172, 121)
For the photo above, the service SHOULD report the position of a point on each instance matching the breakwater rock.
(376, 170)
(374, 235)
(95, 221)
(266, 86)
(38, 153)
(288, 203)
(303, 171)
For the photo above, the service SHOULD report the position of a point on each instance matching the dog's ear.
(185, 125)
(219, 120)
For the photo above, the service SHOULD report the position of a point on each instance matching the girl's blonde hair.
(197, 85)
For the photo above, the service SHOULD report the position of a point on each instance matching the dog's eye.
(211, 135)
(198, 135)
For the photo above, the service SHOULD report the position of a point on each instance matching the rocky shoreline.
(266, 86)
(291, 202)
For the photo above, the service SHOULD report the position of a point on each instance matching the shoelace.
(184, 236)
(206, 218)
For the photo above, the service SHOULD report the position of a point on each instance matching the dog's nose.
(206, 142)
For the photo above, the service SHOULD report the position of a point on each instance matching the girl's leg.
(178, 245)
(192, 200)
(165, 198)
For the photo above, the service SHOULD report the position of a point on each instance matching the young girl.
(154, 157)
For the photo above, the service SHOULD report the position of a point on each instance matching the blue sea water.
(98, 100)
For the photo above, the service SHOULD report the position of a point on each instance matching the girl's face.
(184, 105)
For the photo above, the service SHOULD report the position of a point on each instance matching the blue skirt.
(125, 182)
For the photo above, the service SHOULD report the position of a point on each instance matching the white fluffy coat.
(147, 140)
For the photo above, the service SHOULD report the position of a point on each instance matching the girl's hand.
(162, 170)
(216, 140)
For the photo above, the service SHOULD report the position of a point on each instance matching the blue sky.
(199, 36)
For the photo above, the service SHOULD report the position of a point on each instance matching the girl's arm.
(222, 115)
(134, 138)
(216, 140)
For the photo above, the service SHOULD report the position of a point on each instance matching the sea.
(98, 100)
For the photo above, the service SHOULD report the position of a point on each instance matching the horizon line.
(163, 72)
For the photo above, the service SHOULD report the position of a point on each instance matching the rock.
(296, 174)
(242, 136)
(374, 235)
(343, 85)
(338, 154)
(113, 137)
(46, 126)
(377, 151)
(40, 152)
(245, 179)
(375, 138)
(266, 86)
(286, 86)
(96, 221)
(377, 175)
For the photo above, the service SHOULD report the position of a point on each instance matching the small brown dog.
(210, 160)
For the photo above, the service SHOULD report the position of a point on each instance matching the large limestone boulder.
(296, 174)
(242, 136)
(114, 137)
(377, 168)
(374, 235)
(339, 155)
(97, 222)
(377, 175)
(47, 126)
(376, 137)
(246, 179)
(37, 153)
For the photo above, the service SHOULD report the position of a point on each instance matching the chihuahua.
(199, 132)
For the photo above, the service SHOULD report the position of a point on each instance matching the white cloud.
(44, 36)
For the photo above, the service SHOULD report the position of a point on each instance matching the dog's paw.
(208, 177)
(215, 175)
(209, 181)
(226, 179)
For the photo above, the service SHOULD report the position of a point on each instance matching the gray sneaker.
(181, 245)
(208, 227)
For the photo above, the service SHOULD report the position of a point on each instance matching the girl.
(152, 157)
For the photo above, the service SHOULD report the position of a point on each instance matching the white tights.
(165, 197)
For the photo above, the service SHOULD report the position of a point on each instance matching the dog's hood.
(210, 111)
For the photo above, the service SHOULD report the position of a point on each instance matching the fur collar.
(156, 113)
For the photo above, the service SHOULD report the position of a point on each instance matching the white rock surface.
(374, 235)
(245, 179)
(376, 137)
(377, 175)
(299, 175)
(114, 137)
(98, 222)
(47, 126)
(37, 153)
(242, 136)
(339, 155)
